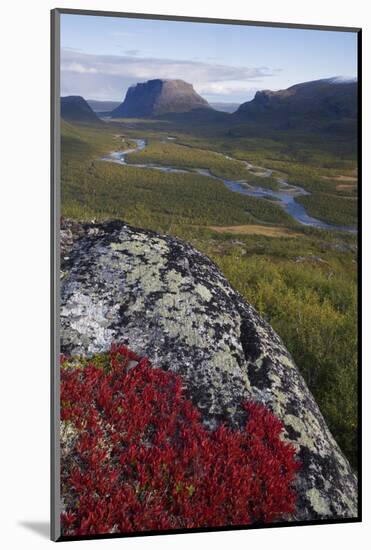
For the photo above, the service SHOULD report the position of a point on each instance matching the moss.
(100, 360)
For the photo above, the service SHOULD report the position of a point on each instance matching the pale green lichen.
(175, 280)
(143, 267)
(203, 292)
(223, 360)
(318, 503)
(285, 361)
(68, 433)
(304, 429)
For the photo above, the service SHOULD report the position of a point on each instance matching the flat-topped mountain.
(157, 97)
(320, 102)
(74, 108)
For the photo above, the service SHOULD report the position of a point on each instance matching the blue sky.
(102, 56)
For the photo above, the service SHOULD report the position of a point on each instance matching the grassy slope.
(334, 209)
(311, 302)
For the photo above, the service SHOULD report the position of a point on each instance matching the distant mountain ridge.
(315, 102)
(225, 106)
(158, 97)
(103, 106)
(75, 108)
(323, 107)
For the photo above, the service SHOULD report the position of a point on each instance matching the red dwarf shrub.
(141, 459)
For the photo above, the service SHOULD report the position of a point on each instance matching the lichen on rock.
(169, 302)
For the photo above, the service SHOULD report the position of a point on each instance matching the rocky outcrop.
(157, 97)
(74, 108)
(166, 300)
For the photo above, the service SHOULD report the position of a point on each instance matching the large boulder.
(166, 300)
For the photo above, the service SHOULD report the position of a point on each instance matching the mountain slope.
(157, 97)
(74, 108)
(328, 104)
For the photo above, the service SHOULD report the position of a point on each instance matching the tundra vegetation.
(302, 280)
(132, 434)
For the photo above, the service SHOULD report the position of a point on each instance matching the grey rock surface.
(166, 300)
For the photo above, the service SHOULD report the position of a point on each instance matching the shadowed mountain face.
(74, 108)
(157, 97)
(329, 104)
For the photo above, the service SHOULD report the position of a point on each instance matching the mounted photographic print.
(205, 223)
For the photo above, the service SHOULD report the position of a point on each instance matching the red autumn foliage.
(143, 460)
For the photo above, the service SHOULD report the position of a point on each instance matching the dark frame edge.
(55, 531)
(227, 528)
(359, 282)
(99, 13)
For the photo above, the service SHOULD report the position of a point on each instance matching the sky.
(102, 56)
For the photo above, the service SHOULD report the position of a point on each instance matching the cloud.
(95, 76)
(225, 88)
(81, 69)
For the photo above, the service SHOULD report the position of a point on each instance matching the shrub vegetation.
(141, 459)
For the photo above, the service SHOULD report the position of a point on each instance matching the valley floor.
(302, 279)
